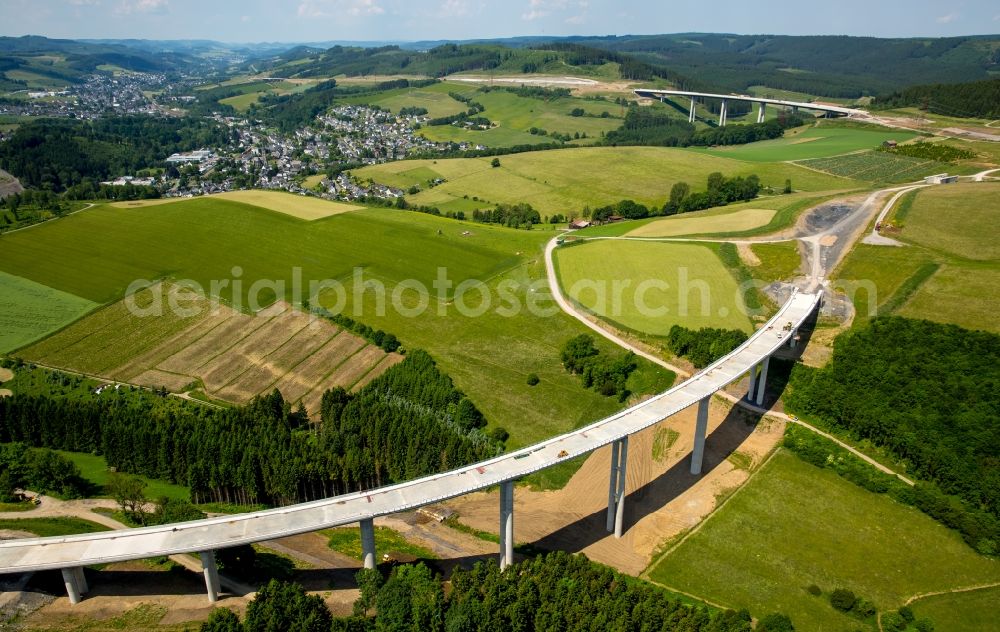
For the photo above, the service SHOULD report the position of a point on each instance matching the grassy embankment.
(949, 269)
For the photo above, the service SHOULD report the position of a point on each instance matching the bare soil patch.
(663, 498)
(6, 375)
(747, 255)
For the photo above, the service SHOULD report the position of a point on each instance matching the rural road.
(845, 231)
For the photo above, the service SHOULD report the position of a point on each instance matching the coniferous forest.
(928, 394)
(408, 422)
(556, 591)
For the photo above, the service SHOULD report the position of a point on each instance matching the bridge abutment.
(506, 524)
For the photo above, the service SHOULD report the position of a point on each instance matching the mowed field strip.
(234, 356)
(746, 219)
(29, 310)
(298, 206)
(661, 284)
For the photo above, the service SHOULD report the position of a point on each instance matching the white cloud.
(128, 7)
(947, 19)
(543, 8)
(84, 3)
(244, 18)
(454, 8)
(338, 8)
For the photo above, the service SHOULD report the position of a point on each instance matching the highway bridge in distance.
(71, 553)
(763, 102)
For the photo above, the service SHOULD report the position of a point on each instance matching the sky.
(410, 20)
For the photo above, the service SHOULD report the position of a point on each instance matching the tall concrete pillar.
(762, 382)
(616, 486)
(72, 583)
(691, 114)
(700, 429)
(760, 112)
(752, 391)
(506, 524)
(211, 572)
(81, 580)
(368, 542)
(722, 114)
(613, 487)
(791, 339)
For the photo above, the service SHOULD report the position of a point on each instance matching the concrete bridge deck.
(69, 553)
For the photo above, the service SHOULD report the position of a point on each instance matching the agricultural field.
(183, 240)
(160, 241)
(793, 525)
(785, 208)
(882, 167)
(949, 269)
(298, 206)
(29, 310)
(698, 224)
(566, 180)
(687, 285)
(969, 611)
(811, 142)
(232, 356)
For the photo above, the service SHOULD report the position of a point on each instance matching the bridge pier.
(752, 391)
(762, 382)
(761, 112)
(368, 542)
(722, 114)
(700, 430)
(211, 572)
(506, 524)
(691, 115)
(76, 583)
(616, 488)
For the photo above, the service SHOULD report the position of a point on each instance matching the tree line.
(655, 126)
(556, 591)
(608, 375)
(976, 99)
(703, 346)
(926, 393)
(408, 422)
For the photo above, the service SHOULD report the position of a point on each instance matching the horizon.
(395, 21)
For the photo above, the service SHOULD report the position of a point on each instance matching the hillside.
(975, 99)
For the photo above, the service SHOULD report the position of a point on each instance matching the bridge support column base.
(762, 382)
(211, 572)
(616, 488)
(506, 524)
(700, 430)
(71, 579)
(368, 542)
(752, 391)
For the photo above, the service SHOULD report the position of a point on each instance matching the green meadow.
(948, 269)
(793, 525)
(29, 310)
(811, 142)
(567, 180)
(650, 286)
(489, 355)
